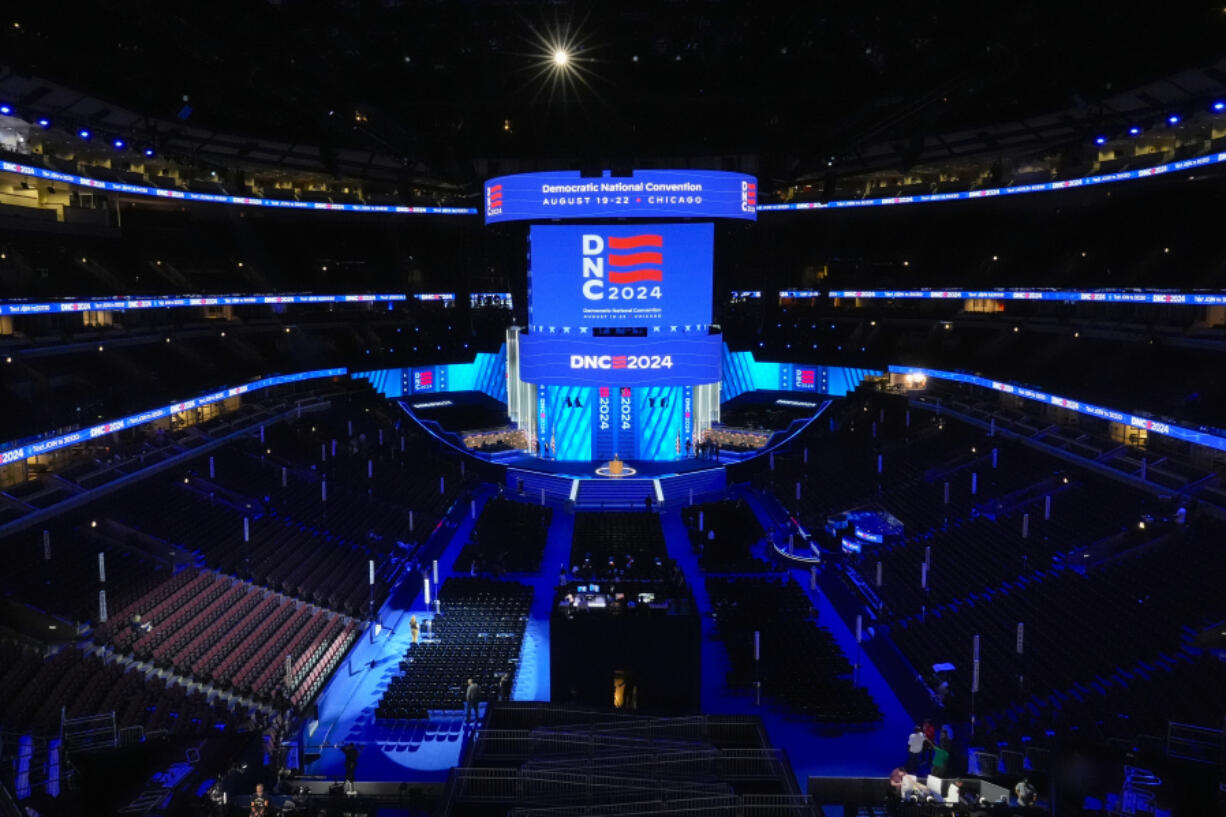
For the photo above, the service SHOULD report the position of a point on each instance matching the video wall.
(744, 373)
(620, 306)
(487, 373)
(577, 423)
(654, 360)
(651, 276)
(644, 194)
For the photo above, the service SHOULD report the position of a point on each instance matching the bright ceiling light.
(561, 64)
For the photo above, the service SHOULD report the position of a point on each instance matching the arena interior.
(553, 408)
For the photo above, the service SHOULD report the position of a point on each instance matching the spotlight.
(44, 122)
(1100, 140)
(1173, 119)
(119, 144)
(6, 109)
(1218, 106)
(561, 57)
(150, 152)
(1134, 131)
(84, 134)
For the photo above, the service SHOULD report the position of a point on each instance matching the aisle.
(426, 751)
(532, 681)
(813, 750)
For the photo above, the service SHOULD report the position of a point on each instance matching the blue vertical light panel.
(604, 421)
(625, 430)
(569, 410)
(660, 412)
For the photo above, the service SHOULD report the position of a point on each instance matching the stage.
(664, 482)
(586, 469)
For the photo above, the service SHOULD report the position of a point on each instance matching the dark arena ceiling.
(446, 82)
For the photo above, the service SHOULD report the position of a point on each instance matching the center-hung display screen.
(651, 276)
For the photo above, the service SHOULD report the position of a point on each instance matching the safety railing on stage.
(521, 743)
(747, 764)
(131, 735)
(733, 731)
(510, 719)
(692, 728)
(1200, 744)
(568, 787)
(664, 758)
(474, 785)
(695, 763)
(484, 785)
(88, 732)
(717, 806)
(750, 805)
(777, 805)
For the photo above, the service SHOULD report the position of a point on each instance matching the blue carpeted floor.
(418, 752)
(813, 751)
(426, 751)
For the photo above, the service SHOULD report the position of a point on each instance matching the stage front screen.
(655, 277)
(655, 360)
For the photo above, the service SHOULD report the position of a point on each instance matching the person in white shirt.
(915, 747)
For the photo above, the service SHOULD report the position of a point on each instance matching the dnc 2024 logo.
(623, 268)
(493, 200)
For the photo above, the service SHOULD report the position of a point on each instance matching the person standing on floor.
(940, 754)
(414, 629)
(351, 762)
(504, 687)
(930, 740)
(915, 748)
(470, 701)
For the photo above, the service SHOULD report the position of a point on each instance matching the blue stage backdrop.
(487, 373)
(742, 373)
(659, 411)
(585, 423)
(567, 420)
(613, 410)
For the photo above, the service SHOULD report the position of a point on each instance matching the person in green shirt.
(940, 753)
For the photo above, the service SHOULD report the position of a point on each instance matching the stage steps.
(703, 483)
(627, 492)
(555, 486)
(615, 493)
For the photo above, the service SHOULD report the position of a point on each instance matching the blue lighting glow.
(149, 152)
(992, 192)
(1118, 296)
(119, 144)
(44, 122)
(1219, 106)
(14, 453)
(1100, 140)
(1173, 119)
(655, 194)
(122, 303)
(215, 198)
(6, 109)
(1134, 131)
(1211, 438)
(84, 133)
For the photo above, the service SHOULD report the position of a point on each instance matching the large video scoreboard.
(619, 345)
(652, 276)
(620, 305)
(644, 194)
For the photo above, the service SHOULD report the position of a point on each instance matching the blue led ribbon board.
(645, 194)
